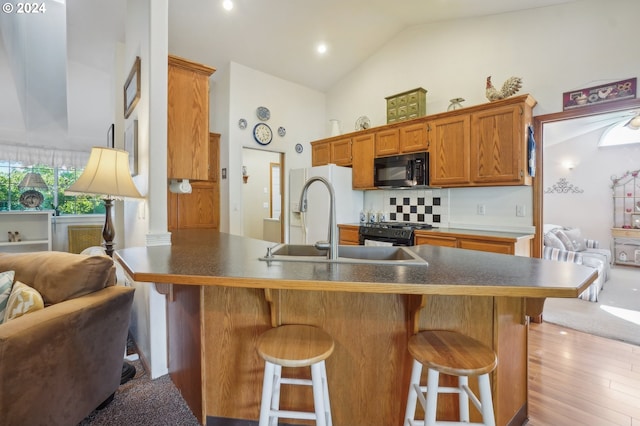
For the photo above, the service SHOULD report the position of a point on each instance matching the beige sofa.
(59, 363)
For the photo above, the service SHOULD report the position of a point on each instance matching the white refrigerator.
(313, 225)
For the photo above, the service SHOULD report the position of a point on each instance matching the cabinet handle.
(521, 110)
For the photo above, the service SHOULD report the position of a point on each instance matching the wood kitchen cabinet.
(413, 137)
(498, 145)
(349, 235)
(409, 137)
(484, 146)
(341, 152)
(449, 158)
(363, 153)
(387, 142)
(320, 153)
(188, 119)
(201, 208)
(331, 151)
(495, 242)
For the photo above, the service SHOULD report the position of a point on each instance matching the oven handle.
(385, 240)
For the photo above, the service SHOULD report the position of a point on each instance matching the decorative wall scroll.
(563, 187)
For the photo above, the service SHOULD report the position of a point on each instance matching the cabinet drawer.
(492, 247)
(436, 241)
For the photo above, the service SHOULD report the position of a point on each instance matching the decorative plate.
(263, 113)
(281, 131)
(299, 148)
(242, 123)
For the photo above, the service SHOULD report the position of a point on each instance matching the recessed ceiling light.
(227, 4)
(322, 48)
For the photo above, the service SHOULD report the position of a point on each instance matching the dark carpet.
(142, 401)
(615, 316)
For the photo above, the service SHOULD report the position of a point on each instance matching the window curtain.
(30, 155)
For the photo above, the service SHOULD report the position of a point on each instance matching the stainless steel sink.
(380, 255)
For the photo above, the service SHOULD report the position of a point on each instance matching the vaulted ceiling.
(277, 37)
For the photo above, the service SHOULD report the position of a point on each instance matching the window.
(57, 179)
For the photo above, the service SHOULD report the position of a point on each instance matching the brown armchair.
(59, 363)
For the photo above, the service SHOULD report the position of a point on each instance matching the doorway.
(544, 126)
(262, 194)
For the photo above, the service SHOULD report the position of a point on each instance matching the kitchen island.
(221, 297)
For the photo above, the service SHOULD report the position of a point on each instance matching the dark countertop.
(463, 232)
(478, 233)
(203, 257)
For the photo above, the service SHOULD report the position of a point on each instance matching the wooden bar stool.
(295, 346)
(455, 354)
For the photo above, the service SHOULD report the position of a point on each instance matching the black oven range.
(395, 233)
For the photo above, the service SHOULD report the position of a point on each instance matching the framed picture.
(110, 140)
(132, 89)
(131, 146)
(624, 89)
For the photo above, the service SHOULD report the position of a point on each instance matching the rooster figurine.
(509, 88)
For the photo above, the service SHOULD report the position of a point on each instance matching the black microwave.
(402, 171)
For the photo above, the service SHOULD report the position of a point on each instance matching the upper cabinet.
(188, 119)
(498, 145)
(363, 152)
(449, 158)
(336, 150)
(482, 145)
(413, 137)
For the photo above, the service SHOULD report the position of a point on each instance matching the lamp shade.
(32, 180)
(107, 173)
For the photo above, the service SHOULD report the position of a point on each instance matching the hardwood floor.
(580, 379)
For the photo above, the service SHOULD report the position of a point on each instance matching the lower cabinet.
(349, 235)
(494, 242)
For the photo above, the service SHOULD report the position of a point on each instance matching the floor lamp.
(107, 174)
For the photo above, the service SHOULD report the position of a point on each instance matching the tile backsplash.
(421, 205)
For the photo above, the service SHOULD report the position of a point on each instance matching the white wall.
(554, 49)
(145, 221)
(300, 110)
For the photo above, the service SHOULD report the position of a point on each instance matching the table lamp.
(106, 174)
(32, 198)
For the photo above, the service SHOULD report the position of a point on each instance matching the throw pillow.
(562, 255)
(552, 240)
(23, 299)
(6, 281)
(571, 238)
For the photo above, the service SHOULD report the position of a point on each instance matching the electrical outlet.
(481, 209)
(520, 210)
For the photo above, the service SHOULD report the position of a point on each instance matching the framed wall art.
(624, 89)
(132, 88)
(131, 146)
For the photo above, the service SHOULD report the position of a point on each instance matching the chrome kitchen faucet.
(332, 243)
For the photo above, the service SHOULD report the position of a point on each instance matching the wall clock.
(262, 133)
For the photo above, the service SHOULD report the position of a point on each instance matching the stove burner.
(400, 225)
